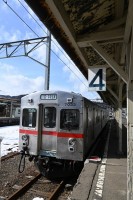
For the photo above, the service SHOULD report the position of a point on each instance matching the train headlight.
(72, 142)
(25, 137)
(25, 140)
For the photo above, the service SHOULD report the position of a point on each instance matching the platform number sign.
(97, 79)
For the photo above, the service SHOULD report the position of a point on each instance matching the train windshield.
(49, 117)
(29, 117)
(69, 119)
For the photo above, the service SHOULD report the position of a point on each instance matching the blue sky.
(22, 75)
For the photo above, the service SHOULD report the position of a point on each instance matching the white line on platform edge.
(101, 177)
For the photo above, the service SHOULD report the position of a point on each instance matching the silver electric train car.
(58, 128)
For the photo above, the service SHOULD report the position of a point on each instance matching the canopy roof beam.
(110, 61)
(84, 40)
(111, 91)
(65, 23)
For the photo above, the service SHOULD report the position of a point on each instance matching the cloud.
(6, 68)
(40, 53)
(10, 35)
(19, 84)
(14, 83)
(76, 78)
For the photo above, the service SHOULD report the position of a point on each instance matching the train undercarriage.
(57, 168)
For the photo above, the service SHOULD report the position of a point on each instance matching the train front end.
(51, 130)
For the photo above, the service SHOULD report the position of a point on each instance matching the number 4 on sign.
(97, 80)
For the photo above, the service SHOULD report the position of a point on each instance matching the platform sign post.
(97, 79)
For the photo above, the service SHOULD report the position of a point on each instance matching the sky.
(22, 75)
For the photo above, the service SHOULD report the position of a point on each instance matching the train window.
(49, 117)
(69, 119)
(29, 117)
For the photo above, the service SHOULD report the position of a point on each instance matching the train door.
(48, 129)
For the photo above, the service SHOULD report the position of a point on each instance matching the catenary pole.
(47, 69)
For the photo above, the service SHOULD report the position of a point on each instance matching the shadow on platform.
(113, 149)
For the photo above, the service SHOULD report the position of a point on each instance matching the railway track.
(24, 188)
(8, 156)
(29, 184)
(35, 186)
(28, 189)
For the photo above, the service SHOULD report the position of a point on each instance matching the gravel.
(10, 178)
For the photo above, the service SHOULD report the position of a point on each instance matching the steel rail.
(3, 158)
(55, 194)
(24, 188)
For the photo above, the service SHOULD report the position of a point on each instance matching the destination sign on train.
(48, 96)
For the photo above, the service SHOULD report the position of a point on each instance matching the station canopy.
(93, 33)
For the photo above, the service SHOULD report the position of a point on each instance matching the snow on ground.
(10, 135)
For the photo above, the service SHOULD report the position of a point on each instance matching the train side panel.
(87, 125)
(94, 119)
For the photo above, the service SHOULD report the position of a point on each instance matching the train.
(6, 119)
(58, 128)
(9, 121)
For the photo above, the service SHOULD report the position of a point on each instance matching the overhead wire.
(5, 1)
(69, 68)
(20, 18)
(44, 31)
(53, 42)
(31, 16)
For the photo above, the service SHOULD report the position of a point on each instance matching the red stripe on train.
(68, 135)
(63, 134)
(33, 132)
(53, 133)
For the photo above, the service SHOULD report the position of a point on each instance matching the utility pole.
(47, 69)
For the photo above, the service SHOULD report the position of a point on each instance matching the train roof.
(62, 93)
(51, 92)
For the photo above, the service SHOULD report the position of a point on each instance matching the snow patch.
(10, 135)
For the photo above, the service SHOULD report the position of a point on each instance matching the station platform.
(107, 179)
